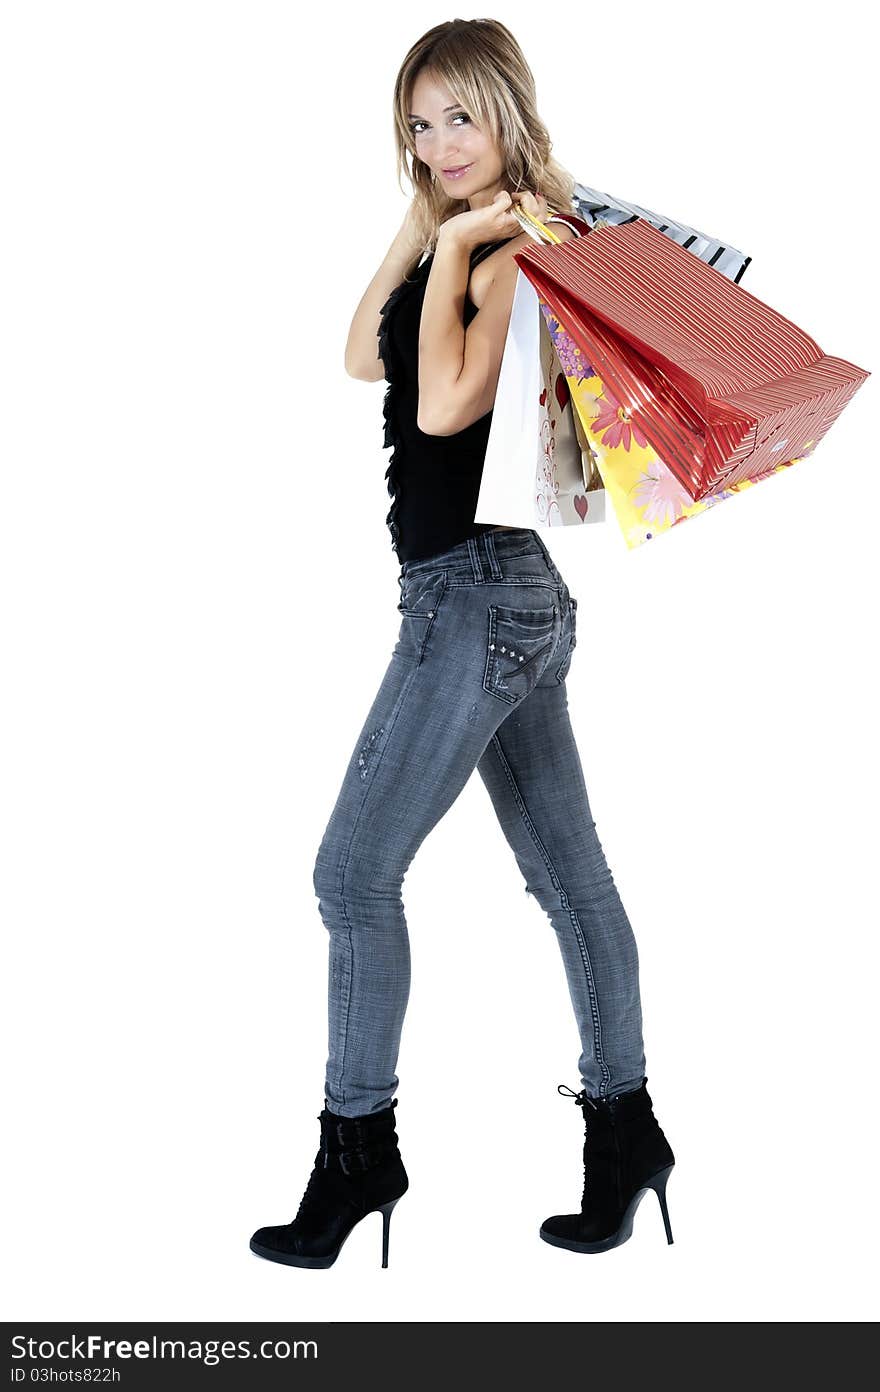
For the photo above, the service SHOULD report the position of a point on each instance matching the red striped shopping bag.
(723, 387)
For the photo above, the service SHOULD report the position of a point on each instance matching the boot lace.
(582, 1101)
(312, 1195)
(579, 1097)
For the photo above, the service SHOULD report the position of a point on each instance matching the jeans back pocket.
(519, 645)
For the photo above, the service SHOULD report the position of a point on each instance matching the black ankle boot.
(357, 1170)
(625, 1155)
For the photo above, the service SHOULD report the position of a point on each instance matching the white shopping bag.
(539, 470)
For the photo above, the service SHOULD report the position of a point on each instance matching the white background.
(198, 604)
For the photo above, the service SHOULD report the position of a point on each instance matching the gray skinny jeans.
(476, 681)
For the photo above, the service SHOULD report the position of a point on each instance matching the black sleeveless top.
(434, 480)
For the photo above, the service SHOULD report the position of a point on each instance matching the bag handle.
(540, 231)
(535, 228)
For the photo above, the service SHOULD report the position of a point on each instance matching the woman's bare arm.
(458, 367)
(362, 348)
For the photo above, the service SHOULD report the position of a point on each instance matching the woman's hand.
(492, 223)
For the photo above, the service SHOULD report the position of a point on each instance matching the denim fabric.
(476, 681)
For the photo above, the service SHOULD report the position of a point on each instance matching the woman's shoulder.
(484, 266)
(575, 226)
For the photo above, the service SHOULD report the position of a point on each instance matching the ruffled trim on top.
(388, 354)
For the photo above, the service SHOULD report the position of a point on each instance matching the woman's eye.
(459, 116)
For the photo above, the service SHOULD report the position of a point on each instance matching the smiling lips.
(456, 173)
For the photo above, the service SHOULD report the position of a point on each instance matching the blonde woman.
(477, 676)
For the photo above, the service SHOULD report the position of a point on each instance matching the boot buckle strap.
(357, 1159)
(345, 1130)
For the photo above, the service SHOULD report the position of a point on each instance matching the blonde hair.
(483, 66)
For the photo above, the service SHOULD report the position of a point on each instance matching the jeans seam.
(494, 565)
(338, 1081)
(511, 580)
(474, 556)
(563, 897)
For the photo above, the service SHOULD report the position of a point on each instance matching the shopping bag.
(541, 466)
(568, 485)
(676, 361)
(604, 210)
(645, 495)
(539, 469)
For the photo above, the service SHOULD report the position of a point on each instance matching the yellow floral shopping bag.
(646, 496)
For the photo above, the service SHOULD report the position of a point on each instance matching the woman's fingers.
(534, 203)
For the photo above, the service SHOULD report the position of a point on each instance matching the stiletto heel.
(386, 1211)
(659, 1184)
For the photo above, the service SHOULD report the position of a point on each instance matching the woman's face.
(446, 138)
